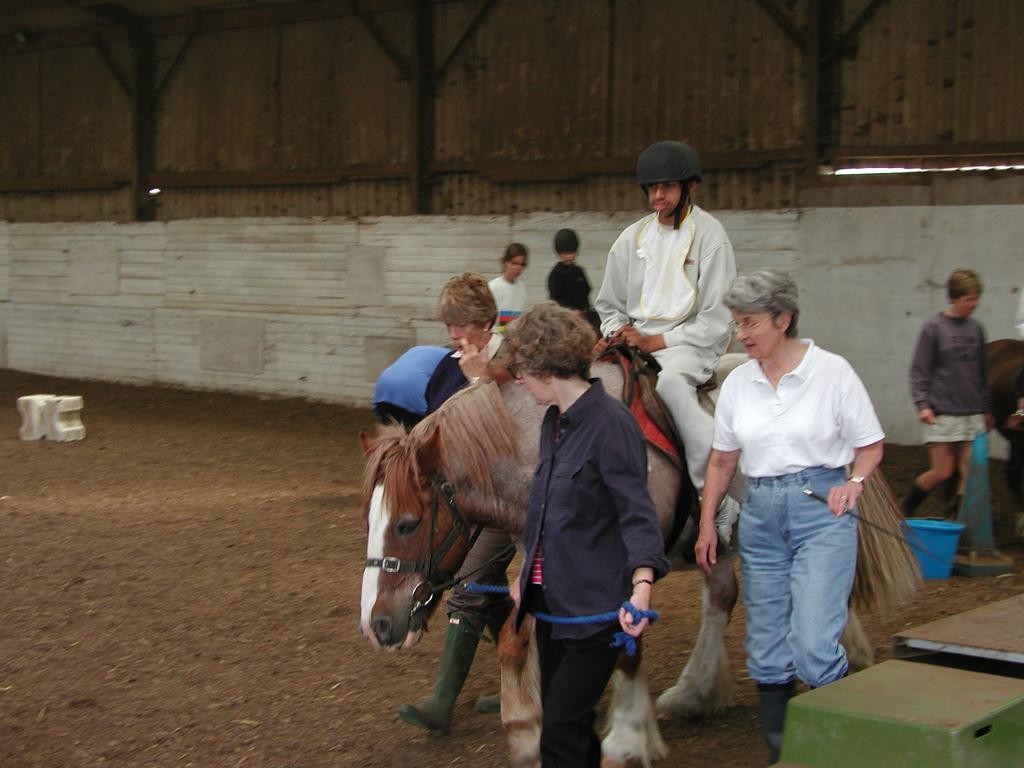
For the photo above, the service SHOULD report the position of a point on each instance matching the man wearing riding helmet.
(663, 291)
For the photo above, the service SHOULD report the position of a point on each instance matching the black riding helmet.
(669, 161)
(566, 241)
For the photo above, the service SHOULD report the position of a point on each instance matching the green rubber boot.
(434, 713)
(488, 704)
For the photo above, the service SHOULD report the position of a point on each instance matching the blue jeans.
(798, 566)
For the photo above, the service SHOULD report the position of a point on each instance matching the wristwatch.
(859, 479)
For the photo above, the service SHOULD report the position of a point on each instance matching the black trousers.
(573, 675)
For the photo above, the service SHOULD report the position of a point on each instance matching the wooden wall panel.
(64, 114)
(311, 83)
(545, 106)
(304, 96)
(681, 68)
(357, 198)
(533, 83)
(343, 100)
(767, 188)
(219, 110)
(85, 126)
(528, 85)
(928, 72)
(19, 118)
(85, 205)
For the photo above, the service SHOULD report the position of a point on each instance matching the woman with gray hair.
(792, 418)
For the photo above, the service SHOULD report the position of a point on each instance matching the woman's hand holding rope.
(643, 585)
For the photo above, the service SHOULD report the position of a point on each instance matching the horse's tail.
(887, 573)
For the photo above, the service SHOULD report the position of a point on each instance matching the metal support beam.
(173, 68)
(140, 92)
(144, 113)
(609, 81)
(853, 30)
(830, 83)
(811, 94)
(466, 34)
(784, 23)
(115, 70)
(421, 138)
(116, 14)
(396, 58)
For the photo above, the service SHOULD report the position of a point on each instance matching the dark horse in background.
(1004, 359)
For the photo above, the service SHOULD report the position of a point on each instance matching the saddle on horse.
(640, 378)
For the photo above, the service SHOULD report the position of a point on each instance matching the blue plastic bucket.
(933, 543)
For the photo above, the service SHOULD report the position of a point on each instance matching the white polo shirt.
(816, 417)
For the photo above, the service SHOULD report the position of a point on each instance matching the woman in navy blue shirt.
(591, 538)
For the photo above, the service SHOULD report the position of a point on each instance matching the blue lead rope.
(480, 589)
(622, 640)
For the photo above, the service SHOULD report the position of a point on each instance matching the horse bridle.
(434, 581)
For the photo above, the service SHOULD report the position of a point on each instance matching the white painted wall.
(316, 308)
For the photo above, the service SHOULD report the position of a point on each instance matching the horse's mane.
(390, 463)
(471, 430)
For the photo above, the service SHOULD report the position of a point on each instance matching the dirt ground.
(181, 589)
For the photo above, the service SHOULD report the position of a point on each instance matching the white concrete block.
(55, 417)
(64, 418)
(34, 416)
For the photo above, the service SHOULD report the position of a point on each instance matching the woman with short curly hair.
(531, 350)
(591, 536)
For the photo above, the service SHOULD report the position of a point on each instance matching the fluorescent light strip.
(953, 169)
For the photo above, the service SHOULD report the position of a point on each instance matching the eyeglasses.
(748, 325)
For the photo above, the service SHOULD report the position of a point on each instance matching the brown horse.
(1004, 359)
(471, 463)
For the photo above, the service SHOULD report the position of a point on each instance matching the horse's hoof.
(685, 702)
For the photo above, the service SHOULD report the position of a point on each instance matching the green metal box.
(904, 714)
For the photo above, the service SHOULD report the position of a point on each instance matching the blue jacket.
(589, 502)
(404, 382)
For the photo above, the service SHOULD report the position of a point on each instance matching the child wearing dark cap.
(567, 282)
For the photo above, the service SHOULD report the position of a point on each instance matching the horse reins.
(440, 488)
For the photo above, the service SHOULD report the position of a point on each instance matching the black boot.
(773, 700)
(953, 512)
(912, 499)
